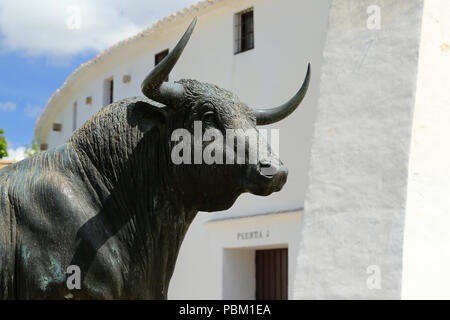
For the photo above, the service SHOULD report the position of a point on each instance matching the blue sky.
(41, 46)
(26, 83)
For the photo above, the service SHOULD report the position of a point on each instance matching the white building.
(347, 148)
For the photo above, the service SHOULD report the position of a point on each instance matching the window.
(111, 91)
(126, 78)
(108, 91)
(74, 118)
(244, 31)
(159, 57)
(57, 127)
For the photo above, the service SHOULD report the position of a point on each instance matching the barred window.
(244, 31)
(111, 91)
(108, 91)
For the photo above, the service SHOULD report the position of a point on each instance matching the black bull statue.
(111, 202)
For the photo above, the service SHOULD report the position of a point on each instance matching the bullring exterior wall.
(351, 238)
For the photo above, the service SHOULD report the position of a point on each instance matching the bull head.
(219, 109)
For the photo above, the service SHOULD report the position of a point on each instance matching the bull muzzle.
(271, 175)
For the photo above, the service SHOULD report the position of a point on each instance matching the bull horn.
(153, 86)
(269, 116)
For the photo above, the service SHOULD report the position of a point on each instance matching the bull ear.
(146, 116)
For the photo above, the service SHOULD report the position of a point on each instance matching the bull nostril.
(267, 168)
(265, 163)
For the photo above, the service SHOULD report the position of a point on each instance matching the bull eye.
(209, 118)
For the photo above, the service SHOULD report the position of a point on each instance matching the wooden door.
(271, 268)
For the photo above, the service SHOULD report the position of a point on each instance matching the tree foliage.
(3, 145)
(34, 149)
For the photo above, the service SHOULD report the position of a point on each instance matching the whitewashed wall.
(426, 260)
(351, 240)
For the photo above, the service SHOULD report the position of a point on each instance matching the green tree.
(3, 144)
(34, 149)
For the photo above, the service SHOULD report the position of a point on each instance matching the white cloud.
(7, 106)
(16, 154)
(53, 27)
(32, 111)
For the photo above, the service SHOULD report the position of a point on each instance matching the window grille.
(244, 31)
